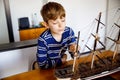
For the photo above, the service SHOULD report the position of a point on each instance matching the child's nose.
(60, 24)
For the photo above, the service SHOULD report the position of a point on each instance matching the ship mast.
(76, 52)
(94, 51)
(116, 41)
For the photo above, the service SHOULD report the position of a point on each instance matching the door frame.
(9, 21)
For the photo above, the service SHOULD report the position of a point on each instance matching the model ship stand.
(98, 62)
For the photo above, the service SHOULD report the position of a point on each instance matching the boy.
(53, 42)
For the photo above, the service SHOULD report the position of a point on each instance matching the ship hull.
(106, 66)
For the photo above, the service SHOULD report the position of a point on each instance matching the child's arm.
(73, 44)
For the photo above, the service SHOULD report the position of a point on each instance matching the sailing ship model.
(97, 64)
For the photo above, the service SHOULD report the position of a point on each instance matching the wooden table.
(34, 75)
(45, 75)
(116, 75)
(48, 74)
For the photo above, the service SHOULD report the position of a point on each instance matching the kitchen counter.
(18, 45)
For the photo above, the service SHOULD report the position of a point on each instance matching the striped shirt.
(49, 51)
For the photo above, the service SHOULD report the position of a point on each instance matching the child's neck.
(57, 37)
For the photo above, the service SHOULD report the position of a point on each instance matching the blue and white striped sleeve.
(72, 37)
(42, 54)
(72, 40)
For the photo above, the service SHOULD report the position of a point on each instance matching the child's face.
(57, 26)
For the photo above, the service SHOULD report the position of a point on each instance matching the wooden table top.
(48, 74)
(34, 75)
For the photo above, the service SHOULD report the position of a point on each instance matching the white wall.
(80, 14)
(16, 61)
(3, 25)
(80, 17)
(112, 17)
(23, 8)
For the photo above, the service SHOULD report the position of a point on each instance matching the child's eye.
(63, 20)
(54, 22)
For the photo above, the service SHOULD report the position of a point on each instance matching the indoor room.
(96, 26)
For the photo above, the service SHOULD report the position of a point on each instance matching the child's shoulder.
(45, 34)
(68, 28)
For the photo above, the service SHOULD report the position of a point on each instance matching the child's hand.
(73, 48)
(64, 58)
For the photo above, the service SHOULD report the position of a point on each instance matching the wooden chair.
(35, 65)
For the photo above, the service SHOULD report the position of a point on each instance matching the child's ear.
(44, 24)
